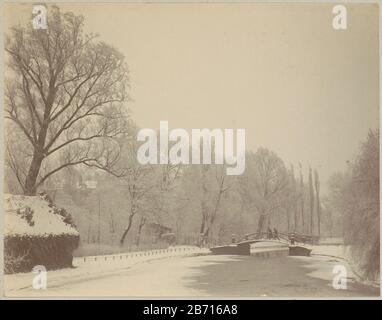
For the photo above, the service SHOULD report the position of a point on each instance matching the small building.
(157, 229)
(36, 232)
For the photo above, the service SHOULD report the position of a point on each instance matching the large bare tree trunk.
(260, 224)
(215, 212)
(128, 227)
(142, 222)
(126, 231)
(34, 169)
(210, 219)
(38, 157)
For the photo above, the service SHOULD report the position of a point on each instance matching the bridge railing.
(291, 237)
(141, 255)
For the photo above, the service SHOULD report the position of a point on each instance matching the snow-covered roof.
(32, 215)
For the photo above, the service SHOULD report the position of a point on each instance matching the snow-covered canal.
(206, 276)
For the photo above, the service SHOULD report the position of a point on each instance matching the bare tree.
(158, 200)
(292, 199)
(317, 188)
(302, 199)
(311, 201)
(64, 94)
(203, 201)
(270, 180)
(211, 215)
(139, 185)
(142, 222)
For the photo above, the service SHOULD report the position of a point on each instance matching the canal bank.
(214, 276)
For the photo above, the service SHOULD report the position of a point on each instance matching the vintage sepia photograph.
(190, 150)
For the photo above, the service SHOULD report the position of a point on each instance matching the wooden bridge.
(297, 244)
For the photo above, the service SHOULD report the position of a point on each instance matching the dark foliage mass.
(361, 194)
(355, 195)
(22, 253)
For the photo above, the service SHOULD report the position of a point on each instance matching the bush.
(360, 205)
(14, 263)
(24, 252)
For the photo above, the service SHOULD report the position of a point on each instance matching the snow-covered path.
(206, 276)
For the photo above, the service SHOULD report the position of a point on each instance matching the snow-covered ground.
(201, 276)
(342, 252)
(96, 266)
(191, 271)
(331, 250)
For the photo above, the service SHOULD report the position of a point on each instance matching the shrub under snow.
(36, 232)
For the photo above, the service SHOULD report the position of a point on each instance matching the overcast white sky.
(299, 87)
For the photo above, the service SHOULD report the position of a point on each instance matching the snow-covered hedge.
(36, 232)
(35, 215)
